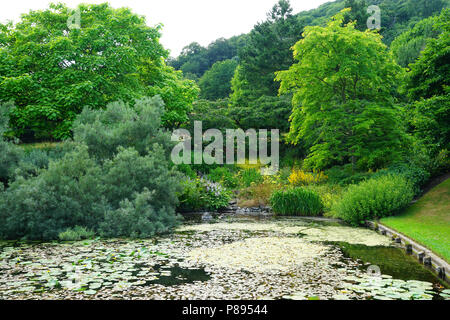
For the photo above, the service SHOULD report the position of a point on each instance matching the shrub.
(93, 185)
(416, 175)
(202, 194)
(329, 194)
(140, 218)
(302, 178)
(10, 156)
(374, 199)
(249, 176)
(67, 194)
(224, 176)
(187, 171)
(128, 173)
(103, 131)
(10, 153)
(345, 175)
(75, 234)
(257, 194)
(296, 201)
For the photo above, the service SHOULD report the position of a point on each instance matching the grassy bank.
(428, 220)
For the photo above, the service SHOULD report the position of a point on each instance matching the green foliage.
(408, 46)
(399, 15)
(248, 176)
(266, 112)
(52, 72)
(224, 176)
(296, 202)
(75, 234)
(177, 93)
(195, 60)
(129, 173)
(345, 175)
(187, 170)
(429, 120)
(201, 194)
(358, 13)
(68, 194)
(416, 175)
(342, 104)
(265, 52)
(143, 217)
(103, 131)
(430, 74)
(10, 154)
(216, 82)
(77, 191)
(212, 114)
(95, 186)
(374, 199)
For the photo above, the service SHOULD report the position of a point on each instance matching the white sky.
(184, 21)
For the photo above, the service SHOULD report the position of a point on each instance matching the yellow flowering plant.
(302, 178)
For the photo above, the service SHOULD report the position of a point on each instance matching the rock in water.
(207, 217)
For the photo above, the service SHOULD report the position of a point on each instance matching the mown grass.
(428, 220)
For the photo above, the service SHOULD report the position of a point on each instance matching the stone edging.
(424, 255)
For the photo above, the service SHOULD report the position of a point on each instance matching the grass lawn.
(428, 220)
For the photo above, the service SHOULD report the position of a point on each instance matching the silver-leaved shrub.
(116, 180)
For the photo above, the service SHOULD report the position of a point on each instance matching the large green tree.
(216, 82)
(51, 69)
(358, 13)
(408, 46)
(428, 87)
(342, 104)
(195, 59)
(430, 75)
(267, 50)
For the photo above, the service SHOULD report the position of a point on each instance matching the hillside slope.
(428, 220)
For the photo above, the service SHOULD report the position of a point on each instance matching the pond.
(233, 259)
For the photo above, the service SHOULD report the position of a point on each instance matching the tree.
(216, 82)
(398, 16)
(212, 114)
(267, 50)
(52, 71)
(195, 60)
(266, 112)
(428, 85)
(342, 97)
(10, 154)
(408, 46)
(429, 120)
(429, 76)
(358, 14)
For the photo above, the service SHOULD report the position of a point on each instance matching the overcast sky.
(184, 21)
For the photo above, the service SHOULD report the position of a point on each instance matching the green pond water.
(233, 259)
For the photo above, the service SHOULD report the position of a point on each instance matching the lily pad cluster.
(287, 259)
(385, 288)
